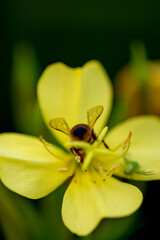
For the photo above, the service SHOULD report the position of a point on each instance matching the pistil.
(95, 145)
(89, 149)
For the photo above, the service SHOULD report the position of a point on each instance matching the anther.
(77, 154)
(62, 169)
(43, 141)
(112, 170)
(126, 142)
(78, 158)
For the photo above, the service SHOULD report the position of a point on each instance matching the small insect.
(80, 132)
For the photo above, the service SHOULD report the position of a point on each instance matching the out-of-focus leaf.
(25, 73)
(139, 63)
(51, 208)
(12, 222)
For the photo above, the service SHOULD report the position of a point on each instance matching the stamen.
(104, 174)
(78, 158)
(115, 155)
(111, 171)
(125, 145)
(43, 141)
(62, 169)
(46, 145)
(126, 142)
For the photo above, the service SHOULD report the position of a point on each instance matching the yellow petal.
(28, 169)
(88, 200)
(144, 148)
(65, 92)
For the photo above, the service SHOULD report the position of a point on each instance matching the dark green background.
(75, 32)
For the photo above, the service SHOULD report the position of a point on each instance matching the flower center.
(85, 152)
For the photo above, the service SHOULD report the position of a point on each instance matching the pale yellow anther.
(112, 170)
(104, 174)
(78, 159)
(126, 142)
(44, 141)
(62, 169)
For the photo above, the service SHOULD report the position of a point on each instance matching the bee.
(80, 132)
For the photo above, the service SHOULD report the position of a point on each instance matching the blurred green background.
(36, 33)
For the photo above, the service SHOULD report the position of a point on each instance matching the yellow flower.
(33, 168)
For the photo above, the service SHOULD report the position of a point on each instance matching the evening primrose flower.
(75, 104)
